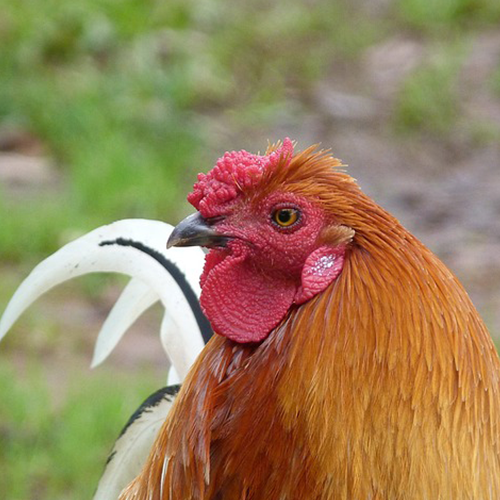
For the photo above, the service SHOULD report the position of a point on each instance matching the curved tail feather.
(134, 443)
(135, 299)
(135, 247)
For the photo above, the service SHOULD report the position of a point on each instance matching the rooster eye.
(285, 217)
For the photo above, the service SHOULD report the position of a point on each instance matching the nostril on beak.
(195, 230)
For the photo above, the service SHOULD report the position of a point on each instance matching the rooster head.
(274, 240)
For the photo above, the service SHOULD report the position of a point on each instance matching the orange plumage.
(383, 386)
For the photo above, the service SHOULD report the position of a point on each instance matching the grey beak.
(195, 230)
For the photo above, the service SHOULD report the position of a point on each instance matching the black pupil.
(284, 216)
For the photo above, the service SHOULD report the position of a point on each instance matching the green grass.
(435, 16)
(58, 418)
(484, 133)
(57, 451)
(495, 81)
(121, 94)
(115, 127)
(429, 100)
(124, 96)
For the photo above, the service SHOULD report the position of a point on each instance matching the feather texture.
(136, 298)
(134, 443)
(135, 247)
(385, 386)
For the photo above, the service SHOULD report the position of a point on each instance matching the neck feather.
(369, 383)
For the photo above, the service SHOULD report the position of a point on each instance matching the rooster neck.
(396, 380)
(374, 387)
(385, 386)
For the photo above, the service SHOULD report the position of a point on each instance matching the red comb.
(232, 174)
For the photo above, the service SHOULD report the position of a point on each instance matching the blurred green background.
(109, 108)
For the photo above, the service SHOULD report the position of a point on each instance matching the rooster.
(349, 362)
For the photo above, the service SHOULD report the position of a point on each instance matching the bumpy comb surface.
(232, 174)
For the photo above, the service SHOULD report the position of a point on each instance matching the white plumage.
(135, 299)
(137, 248)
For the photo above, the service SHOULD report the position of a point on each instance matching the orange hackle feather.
(383, 387)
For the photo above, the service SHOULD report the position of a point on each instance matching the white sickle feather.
(136, 298)
(134, 444)
(135, 247)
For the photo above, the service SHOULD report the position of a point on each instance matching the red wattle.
(212, 259)
(242, 303)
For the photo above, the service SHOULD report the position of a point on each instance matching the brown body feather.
(383, 387)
